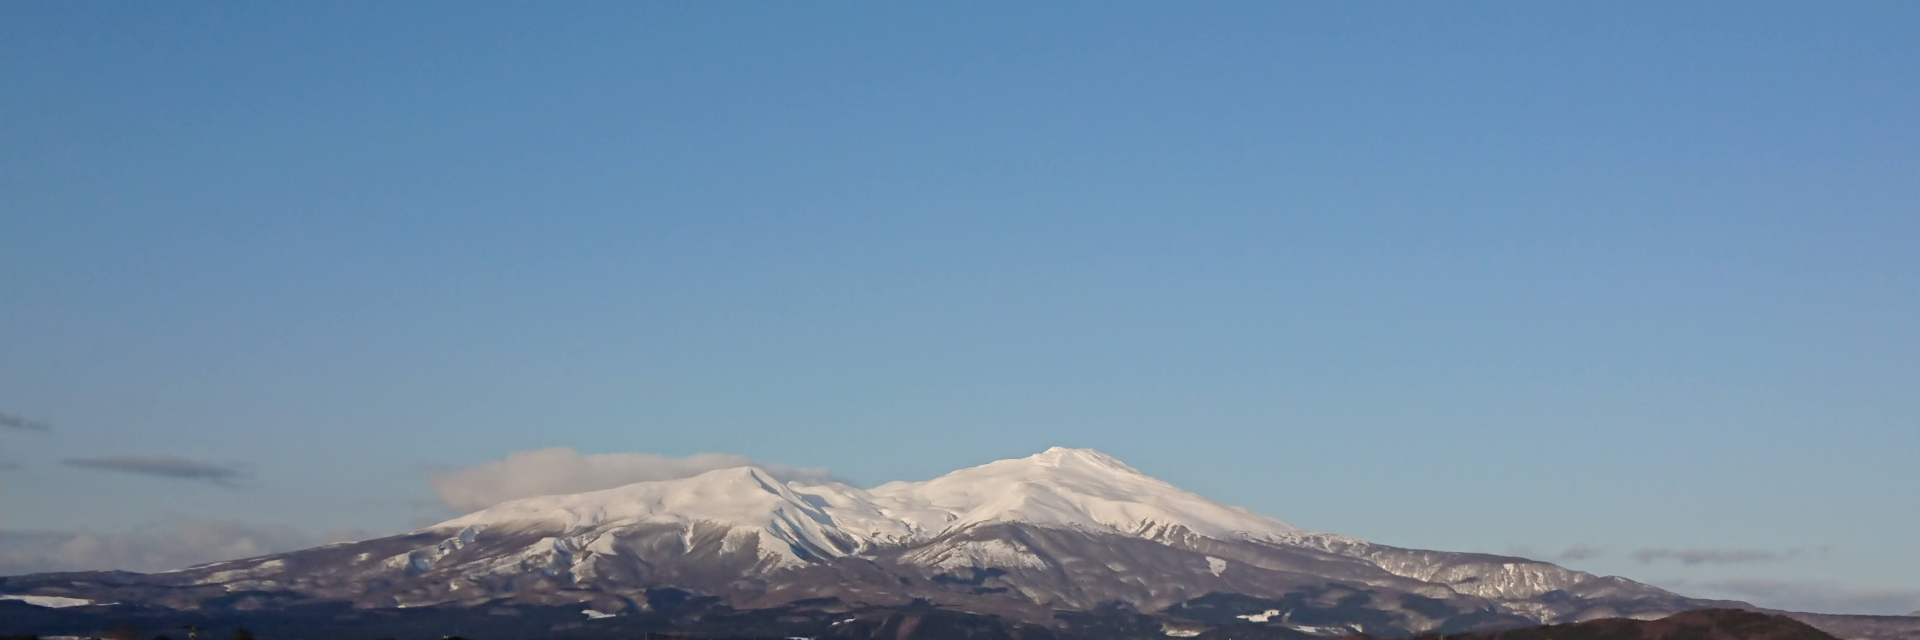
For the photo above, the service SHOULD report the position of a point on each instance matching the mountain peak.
(751, 474)
(1076, 489)
(1085, 458)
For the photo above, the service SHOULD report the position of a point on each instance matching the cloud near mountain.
(562, 470)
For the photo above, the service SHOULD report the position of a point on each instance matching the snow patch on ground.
(51, 602)
(1216, 565)
(1275, 615)
(596, 615)
(1320, 631)
(237, 575)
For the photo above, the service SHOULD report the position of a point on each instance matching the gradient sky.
(1585, 281)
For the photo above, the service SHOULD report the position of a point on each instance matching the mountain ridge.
(1070, 488)
(1063, 530)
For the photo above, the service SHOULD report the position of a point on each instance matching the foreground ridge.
(676, 614)
(1703, 624)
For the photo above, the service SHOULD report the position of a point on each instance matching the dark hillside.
(1704, 624)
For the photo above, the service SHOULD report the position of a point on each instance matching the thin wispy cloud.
(1699, 556)
(1797, 595)
(1580, 552)
(1575, 552)
(226, 475)
(20, 423)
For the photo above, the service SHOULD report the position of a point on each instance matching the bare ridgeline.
(1068, 543)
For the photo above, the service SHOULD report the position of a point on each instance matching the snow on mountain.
(1078, 489)
(794, 524)
(1073, 489)
(51, 602)
(831, 519)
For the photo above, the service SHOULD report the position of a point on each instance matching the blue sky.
(1635, 281)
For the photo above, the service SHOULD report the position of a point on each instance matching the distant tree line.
(129, 633)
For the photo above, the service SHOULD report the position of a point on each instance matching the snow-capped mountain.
(1068, 489)
(1066, 529)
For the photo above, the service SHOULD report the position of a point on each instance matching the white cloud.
(560, 470)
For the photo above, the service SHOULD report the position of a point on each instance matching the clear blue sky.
(1479, 276)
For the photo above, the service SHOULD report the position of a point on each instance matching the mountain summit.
(1062, 530)
(1076, 489)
